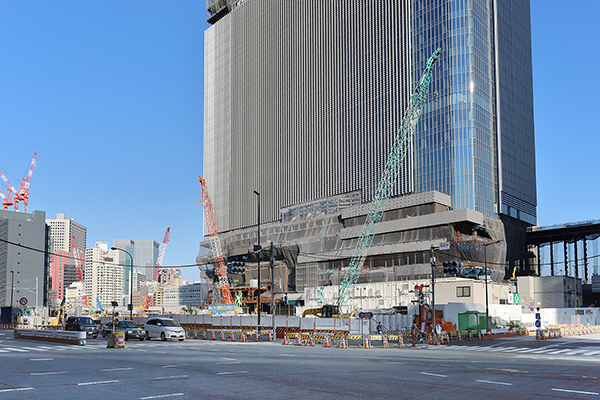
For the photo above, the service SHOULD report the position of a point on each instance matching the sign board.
(221, 309)
(445, 246)
(23, 301)
(538, 316)
(538, 323)
(516, 298)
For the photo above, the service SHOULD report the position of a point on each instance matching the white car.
(164, 328)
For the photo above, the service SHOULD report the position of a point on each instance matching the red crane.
(77, 257)
(11, 188)
(23, 192)
(215, 244)
(161, 255)
(6, 199)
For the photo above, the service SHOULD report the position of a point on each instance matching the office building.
(304, 111)
(144, 252)
(23, 261)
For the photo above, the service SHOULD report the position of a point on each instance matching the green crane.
(390, 174)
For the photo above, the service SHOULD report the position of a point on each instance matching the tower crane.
(161, 255)
(386, 183)
(6, 199)
(15, 197)
(215, 244)
(77, 257)
(23, 192)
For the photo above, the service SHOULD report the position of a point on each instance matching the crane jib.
(388, 179)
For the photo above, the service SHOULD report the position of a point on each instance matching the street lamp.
(257, 248)
(130, 283)
(487, 311)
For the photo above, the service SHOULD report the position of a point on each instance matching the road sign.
(361, 315)
(516, 298)
(23, 301)
(445, 246)
(538, 323)
(531, 303)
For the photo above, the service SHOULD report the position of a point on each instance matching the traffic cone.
(479, 334)
(326, 340)
(258, 336)
(213, 335)
(298, 337)
(204, 334)
(311, 343)
(222, 335)
(385, 342)
(367, 345)
(400, 340)
(343, 342)
(270, 336)
(285, 338)
(232, 336)
(459, 336)
(243, 337)
(441, 339)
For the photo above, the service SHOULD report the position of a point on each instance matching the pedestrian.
(438, 333)
(414, 330)
(379, 328)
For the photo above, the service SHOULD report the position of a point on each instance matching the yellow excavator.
(327, 311)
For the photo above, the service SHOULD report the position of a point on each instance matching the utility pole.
(433, 295)
(257, 249)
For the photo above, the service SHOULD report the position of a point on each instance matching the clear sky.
(110, 95)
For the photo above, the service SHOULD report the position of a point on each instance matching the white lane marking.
(41, 359)
(49, 373)
(15, 349)
(16, 389)
(225, 358)
(117, 369)
(174, 366)
(231, 373)
(4, 351)
(571, 353)
(34, 348)
(161, 396)
(574, 391)
(96, 383)
(592, 353)
(229, 363)
(170, 377)
(494, 382)
(430, 374)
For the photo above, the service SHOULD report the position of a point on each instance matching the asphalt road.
(197, 369)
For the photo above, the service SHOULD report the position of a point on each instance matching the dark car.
(131, 329)
(84, 324)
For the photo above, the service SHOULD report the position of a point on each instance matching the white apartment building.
(104, 274)
(61, 230)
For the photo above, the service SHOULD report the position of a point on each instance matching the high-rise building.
(105, 275)
(23, 261)
(303, 99)
(63, 267)
(144, 252)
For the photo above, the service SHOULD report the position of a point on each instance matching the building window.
(463, 291)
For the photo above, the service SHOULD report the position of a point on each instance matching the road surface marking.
(16, 390)
(494, 382)
(34, 348)
(574, 391)
(95, 383)
(430, 374)
(230, 373)
(174, 366)
(117, 369)
(15, 349)
(41, 359)
(161, 396)
(49, 373)
(170, 377)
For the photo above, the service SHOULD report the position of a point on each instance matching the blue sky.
(110, 95)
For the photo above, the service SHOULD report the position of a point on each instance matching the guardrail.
(49, 335)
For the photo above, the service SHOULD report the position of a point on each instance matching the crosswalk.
(585, 351)
(6, 349)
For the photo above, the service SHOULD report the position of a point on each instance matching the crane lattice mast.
(215, 244)
(11, 188)
(77, 257)
(161, 255)
(23, 191)
(387, 181)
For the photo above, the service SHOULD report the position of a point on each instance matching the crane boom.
(215, 244)
(77, 256)
(15, 195)
(386, 183)
(23, 191)
(161, 255)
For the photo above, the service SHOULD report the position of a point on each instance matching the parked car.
(84, 324)
(131, 329)
(164, 328)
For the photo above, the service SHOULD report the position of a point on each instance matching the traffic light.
(452, 267)
(236, 267)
